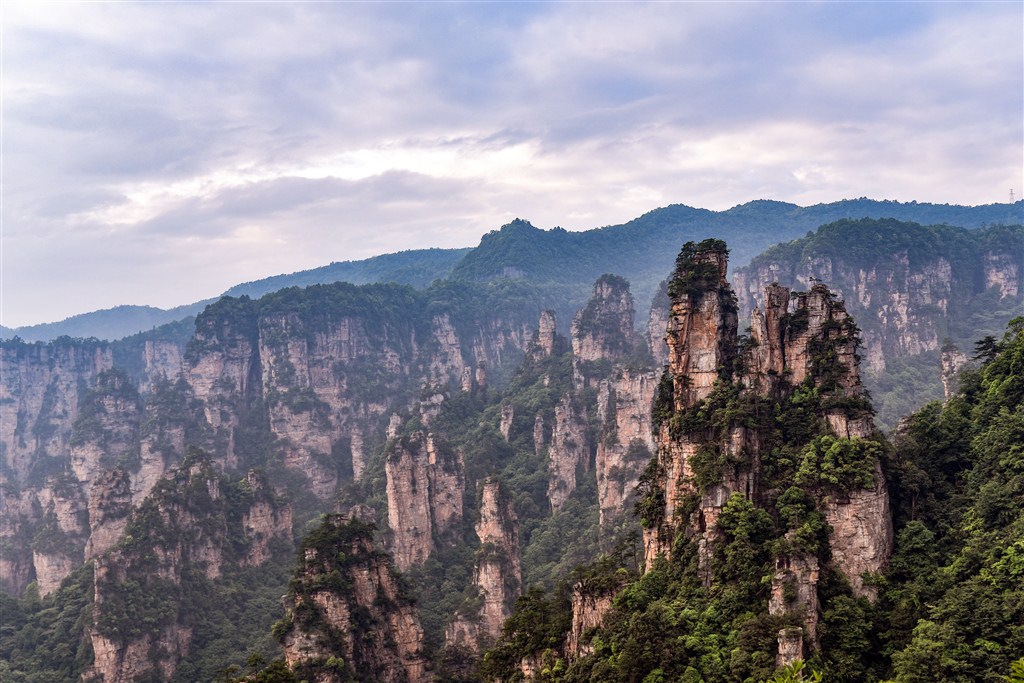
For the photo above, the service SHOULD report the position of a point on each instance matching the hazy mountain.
(567, 262)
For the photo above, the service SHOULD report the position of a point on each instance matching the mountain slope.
(914, 289)
(642, 250)
(566, 262)
(417, 267)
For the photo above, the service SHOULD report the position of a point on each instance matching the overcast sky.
(158, 153)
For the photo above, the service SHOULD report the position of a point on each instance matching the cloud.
(161, 152)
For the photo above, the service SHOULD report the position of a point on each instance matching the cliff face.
(591, 601)
(952, 361)
(794, 385)
(39, 390)
(627, 441)
(908, 286)
(568, 451)
(184, 534)
(603, 330)
(347, 615)
(305, 381)
(425, 486)
(497, 572)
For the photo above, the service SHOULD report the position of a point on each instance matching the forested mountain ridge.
(914, 289)
(935, 589)
(417, 267)
(566, 262)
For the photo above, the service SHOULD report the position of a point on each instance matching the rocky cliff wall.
(497, 573)
(425, 486)
(908, 286)
(795, 382)
(346, 605)
(187, 531)
(305, 382)
(569, 450)
(627, 441)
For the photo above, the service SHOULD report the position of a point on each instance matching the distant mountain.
(643, 249)
(417, 267)
(108, 323)
(565, 263)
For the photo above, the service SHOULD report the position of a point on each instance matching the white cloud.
(161, 152)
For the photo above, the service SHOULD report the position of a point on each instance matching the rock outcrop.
(348, 617)
(627, 441)
(568, 451)
(546, 339)
(657, 323)
(796, 381)
(603, 330)
(497, 574)
(40, 386)
(425, 485)
(591, 601)
(110, 504)
(186, 529)
(795, 592)
(953, 360)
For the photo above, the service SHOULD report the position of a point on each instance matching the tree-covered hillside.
(950, 605)
(642, 250)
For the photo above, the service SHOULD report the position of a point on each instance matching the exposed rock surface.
(657, 323)
(627, 442)
(497, 575)
(953, 360)
(546, 335)
(795, 591)
(110, 504)
(425, 486)
(311, 384)
(590, 603)
(508, 413)
(186, 526)
(370, 625)
(603, 330)
(905, 299)
(40, 385)
(861, 538)
(811, 344)
(568, 451)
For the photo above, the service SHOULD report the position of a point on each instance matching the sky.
(160, 152)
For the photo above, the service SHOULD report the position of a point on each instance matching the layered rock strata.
(709, 443)
(425, 485)
(361, 625)
(497, 573)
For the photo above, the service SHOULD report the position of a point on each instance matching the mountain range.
(640, 250)
(577, 456)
